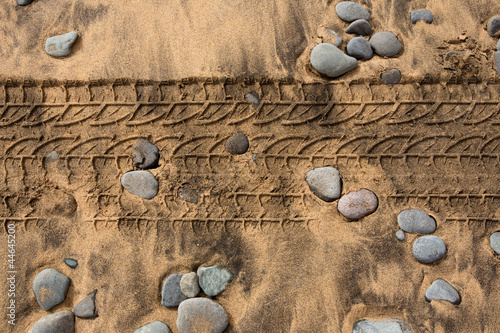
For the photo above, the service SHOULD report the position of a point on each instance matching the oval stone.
(213, 279)
(385, 44)
(328, 60)
(428, 249)
(350, 11)
(60, 46)
(442, 290)
(325, 183)
(382, 326)
(154, 327)
(359, 27)
(61, 322)
(416, 221)
(141, 183)
(50, 287)
(201, 315)
(237, 144)
(356, 205)
(391, 77)
(400, 235)
(189, 284)
(145, 155)
(359, 48)
(495, 242)
(493, 26)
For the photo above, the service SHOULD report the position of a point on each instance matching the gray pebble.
(400, 235)
(497, 60)
(50, 287)
(493, 26)
(325, 183)
(442, 290)
(416, 221)
(359, 27)
(385, 44)
(495, 242)
(189, 284)
(154, 327)
(237, 144)
(171, 294)
(391, 77)
(356, 205)
(428, 249)
(145, 154)
(350, 11)
(52, 156)
(382, 326)
(188, 195)
(141, 183)
(498, 45)
(328, 60)
(201, 315)
(60, 46)
(359, 48)
(73, 263)
(86, 307)
(24, 2)
(213, 279)
(253, 98)
(421, 15)
(60, 322)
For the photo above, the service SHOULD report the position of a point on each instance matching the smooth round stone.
(52, 156)
(141, 183)
(385, 44)
(442, 290)
(145, 154)
(416, 221)
(171, 294)
(359, 27)
(253, 98)
(154, 327)
(86, 307)
(188, 195)
(356, 205)
(428, 249)
(359, 48)
(391, 77)
(382, 326)
(60, 322)
(328, 60)
(495, 242)
(350, 11)
(400, 235)
(421, 15)
(325, 183)
(213, 279)
(493, 26)
(24, 2)
(72, 263)
(60, 46)
(497, 61)
(189, 285)
(237, 144)
(201, 315)
(50, 287)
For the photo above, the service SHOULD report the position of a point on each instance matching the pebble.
(154, 327)
(356, 205)
(141, 183)
(359, 27)
(493, 26)
(350, 11)
(145, 154)
(171, 294)
(52, 156)
(421, 15)
(201, 315)
(391, 77)
(187, 194)
(328, 60)
(189, 285)
(383, 326)
(385, 44)
(24, 2)
(237, 144)
(73, 263)
(325, 183)
(86, 307)
(416, 221)
(213, 279)
(498, 45)
(400, 235)
(253, 98)
(60, 322)
(442, 290)
(359, 48)
(50, 287)
(497, 60)
(60, 46)
(428, 249)
(495, 242)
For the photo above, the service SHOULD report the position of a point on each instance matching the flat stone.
(154, 327)
(356, 205)
(50, 287)
(86, 307)
(442, 290)
(213, 279)
(495, 242)
(171, 294)
(493, 26)
(400, 235)
(145, 155)
(237, 144)
(350, 11)
(60, 46)
(253, 98)
(421, 15)
(201, 315)
(359, 48)
(188, 195)
(385, 44)
(325, 183)
(189, 285)
(428, 249)
(359, 27)
(24, 2)
(391, 77)
(73, 263)
(416, 221)
(59, 322)
(382, 326)
(328, 60)
(497, 61)
(141, 183)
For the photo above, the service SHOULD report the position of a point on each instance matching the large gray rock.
(421, 15)
(154, 327)
(350, 11)
(359, 27)
(442, 290)
(50, 287)
(189, 284)
(171, 294)
(237, 144)
(201, 315)
(60, 46)
(145, 155)
(141, 183)
(359, 48)
(325, 183)
(213, 279)
(59, 322)
(382, 326)
(416, 221)
(86, 307)
(358, 204)
(391, 77)
(328, 60)
(385, 44)
(428, 249)
(493, 26)
(495, 242)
